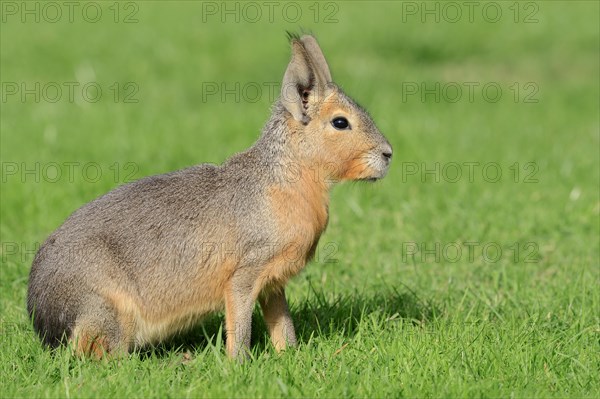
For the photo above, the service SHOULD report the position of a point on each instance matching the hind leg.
(277, 317)
(100, 331)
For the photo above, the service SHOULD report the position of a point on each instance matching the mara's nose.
(387, 153)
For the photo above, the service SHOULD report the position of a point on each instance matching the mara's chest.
(299, 213)
(299, 220)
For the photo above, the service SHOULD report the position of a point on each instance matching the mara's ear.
(306, 76)
(317, 58)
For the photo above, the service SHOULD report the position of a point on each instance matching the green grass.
(372, 319)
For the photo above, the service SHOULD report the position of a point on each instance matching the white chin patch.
(379, 165)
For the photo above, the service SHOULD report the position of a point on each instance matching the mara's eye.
(340, 123)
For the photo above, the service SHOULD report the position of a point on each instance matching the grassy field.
(472, 270)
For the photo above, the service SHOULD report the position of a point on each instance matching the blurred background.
(491, 207)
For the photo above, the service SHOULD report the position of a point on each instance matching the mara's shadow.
(320, 315)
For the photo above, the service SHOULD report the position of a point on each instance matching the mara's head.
(330, 130)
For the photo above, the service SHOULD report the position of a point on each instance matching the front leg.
(277, 317)
(239, 304)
